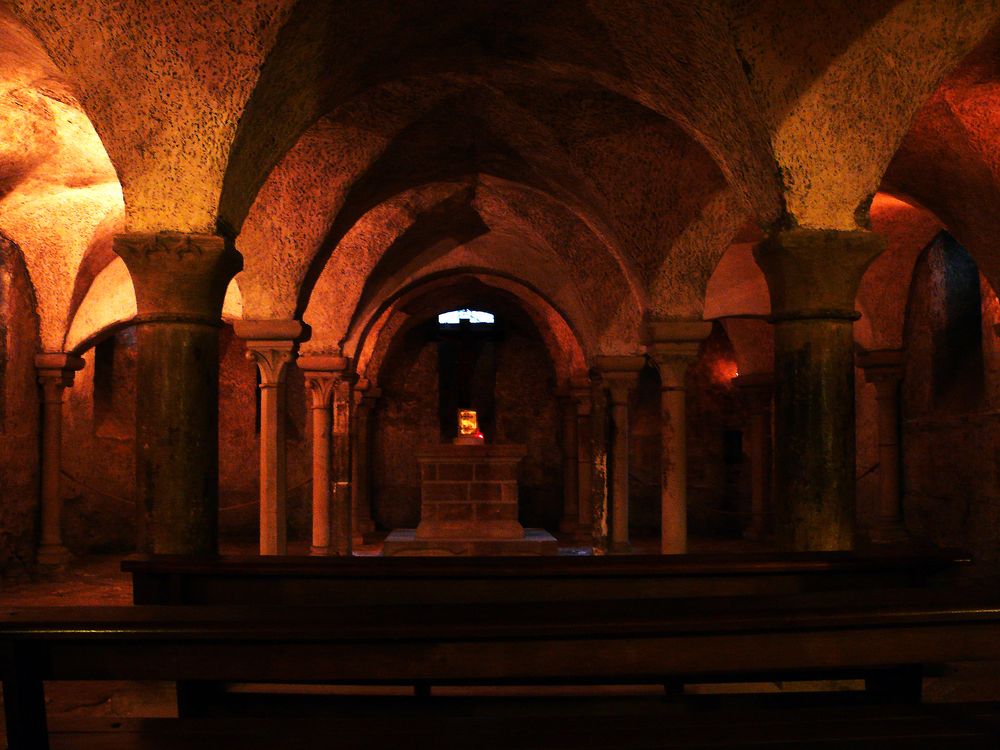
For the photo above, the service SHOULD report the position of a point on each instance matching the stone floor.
(97, 580)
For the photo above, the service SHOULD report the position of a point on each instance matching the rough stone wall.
(951, 438)
(406, 418)
(99, 450)
(19, 449)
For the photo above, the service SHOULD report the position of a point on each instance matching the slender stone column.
(621, 375)
(598, 455)
(674, 346)
(813, 277)
(365, 397)
(329, 382)
(55, 373)
(884, 369)
(180, 282)
(341, 515)
(323, 374)
(570, 448)
(270, 343)
(758, 391)
(582, 393)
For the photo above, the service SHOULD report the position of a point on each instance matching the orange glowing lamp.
(468, 422)
(468, 427)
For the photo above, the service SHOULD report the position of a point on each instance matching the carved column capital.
(177, 276)
(324, 375)
(620, 375)
(815, 273)
(55, 373)
(883, 368)
(271, 345)
(673, 346)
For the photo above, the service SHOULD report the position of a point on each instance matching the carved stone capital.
(177, 276)
(815, 273)
(320, 386)
(673, 346)
(620, 374)
(272, 358)
(55, 373)
(882, 367)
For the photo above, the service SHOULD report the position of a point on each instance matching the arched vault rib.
(59, 195)
(437, 293)
(324, 187)
(496, 225)
(838, 84)
(634, 48)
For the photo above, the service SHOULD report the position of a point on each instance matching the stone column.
(365, 397)
(582, 392)
(180, 282)
(55, 374)
(322, 374)
(571, 468)
(758, 391)
(270, 343)
(884, 369)
(674, 346)
(326, 378)
(620, 375)
(813, 277)
(341, 515)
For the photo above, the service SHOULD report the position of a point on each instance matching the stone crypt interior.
(717, 278)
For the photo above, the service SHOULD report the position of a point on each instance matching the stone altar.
(468, 505)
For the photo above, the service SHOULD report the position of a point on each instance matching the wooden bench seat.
(860, 728)
(328, 580)
(618, 641)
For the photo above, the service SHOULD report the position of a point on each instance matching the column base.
(621, 548)
(320, 552)
(53, 555)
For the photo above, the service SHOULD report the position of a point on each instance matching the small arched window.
(455, 317)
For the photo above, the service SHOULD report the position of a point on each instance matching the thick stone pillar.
(758, 392)
(55, 374)
(813, 277)
(571, 469)
(581, 390)
(621, 374)
(180, 282)
(673, 347)
(884, 369)
(270, 343)
(365, 397)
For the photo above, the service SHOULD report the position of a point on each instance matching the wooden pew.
(331, 580)
(622, 641)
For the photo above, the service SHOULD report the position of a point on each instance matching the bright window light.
(473, 316)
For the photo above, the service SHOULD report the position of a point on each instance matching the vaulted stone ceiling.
(604, 154)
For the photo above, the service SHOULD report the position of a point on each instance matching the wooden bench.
(868, 633)
(329, 580)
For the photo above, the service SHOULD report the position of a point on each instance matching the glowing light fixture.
(455, 317)
(468, 428)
